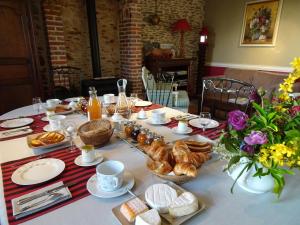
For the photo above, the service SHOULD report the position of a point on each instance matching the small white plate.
(149, 121)
(45, 118)
(47, 128)
(78, 161)
(93, 189)
(187, 131)
(14, 123)
(143, 103)
(38, 171)
(196, 123)
(74, 99)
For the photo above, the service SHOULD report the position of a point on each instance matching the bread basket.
(95, 132)
(174, 178)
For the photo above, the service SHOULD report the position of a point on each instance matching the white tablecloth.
(223, 208)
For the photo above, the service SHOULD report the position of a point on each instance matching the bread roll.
(185, 169)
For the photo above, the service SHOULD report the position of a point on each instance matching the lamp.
(181, 26)
(203, 35)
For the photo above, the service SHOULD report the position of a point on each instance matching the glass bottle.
(122, 106)
(142, 137)
(129, 128)
(94, 108)
(135, 132)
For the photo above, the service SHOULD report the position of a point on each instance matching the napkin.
(18, 211)
(15, 132)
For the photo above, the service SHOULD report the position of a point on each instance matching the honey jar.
(142, 137)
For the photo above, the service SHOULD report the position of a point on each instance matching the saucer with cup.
(111, 180)
(158, 117)
(182, 128)
(55, 123)
(142, 115)
(88, 157)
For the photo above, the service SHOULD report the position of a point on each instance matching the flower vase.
(246, 181)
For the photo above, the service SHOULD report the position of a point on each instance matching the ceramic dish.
(63, 109)
(34, 136)
(187, 131)
(197, 123)
(167, 120)
(14, 123)
(143, 103)
(38, 171)
(78, 161)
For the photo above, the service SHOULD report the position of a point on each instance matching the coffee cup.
(110, 175)
(182, 126)
(88, 153)
(142, 114)
(158, 116)
(55, 122)
(109, 98)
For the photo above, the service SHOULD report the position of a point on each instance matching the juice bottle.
(94, 108)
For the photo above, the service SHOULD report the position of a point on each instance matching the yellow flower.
(296, 63)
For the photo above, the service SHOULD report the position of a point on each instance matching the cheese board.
(166, 218)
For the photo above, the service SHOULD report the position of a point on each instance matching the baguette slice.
(132, 208)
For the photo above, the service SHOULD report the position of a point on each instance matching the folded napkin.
(15, 132)
(42, 202)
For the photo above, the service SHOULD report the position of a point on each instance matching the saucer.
(93, 189)
(99, 159)
(47, 128)
(187, 131)
(45, 118)
(167, 120)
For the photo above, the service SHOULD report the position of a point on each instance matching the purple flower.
(237, 119)
(255, 97)
(256, 138)
(247, 148)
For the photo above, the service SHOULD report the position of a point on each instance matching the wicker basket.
(95, 132)
(174, 178)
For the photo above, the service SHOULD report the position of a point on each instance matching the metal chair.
(224, 95)
(162, 89)
(66, 81)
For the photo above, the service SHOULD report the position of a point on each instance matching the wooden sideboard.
(156, 66)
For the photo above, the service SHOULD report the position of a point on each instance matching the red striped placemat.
(37, 126)
(213, 133)
(136, 109)
(72, 173)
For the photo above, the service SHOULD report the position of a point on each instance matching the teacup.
(158, 116)
(52, 102)
(88, 153)
(55, 122)
(110, 175)
(109, 98)
(182, 126)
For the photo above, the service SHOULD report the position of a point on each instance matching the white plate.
(128, 183)
(187, 131)
(14, 123)
(74, 99)
(45, 118)
(143, 103)
(47, 128)
(33, 136)
(199, 138)
(149, 121)
(78, 161)
(196, 123)
(38, 171)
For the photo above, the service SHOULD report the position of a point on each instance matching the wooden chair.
(221, 95)
(66, 81)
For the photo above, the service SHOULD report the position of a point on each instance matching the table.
(212, 185)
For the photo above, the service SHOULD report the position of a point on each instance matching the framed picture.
(260, 25)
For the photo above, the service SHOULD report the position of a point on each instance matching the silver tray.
(166, 218)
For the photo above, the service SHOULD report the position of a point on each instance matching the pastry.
(187, 169)
(150, 217)
(160, 167)
(180, 151)
(196, 146)
(184, 204)
(160, 197)
(132, 208)
(160, 154)
(47, 139)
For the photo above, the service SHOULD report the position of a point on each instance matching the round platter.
(14, 123)
(197, 123)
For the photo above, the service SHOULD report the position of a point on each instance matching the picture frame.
(261, 22)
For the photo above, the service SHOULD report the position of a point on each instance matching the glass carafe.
(122, 106)
(94, 109)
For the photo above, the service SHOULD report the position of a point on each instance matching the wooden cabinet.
(181, 67)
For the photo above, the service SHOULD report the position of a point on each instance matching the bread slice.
(132, 208)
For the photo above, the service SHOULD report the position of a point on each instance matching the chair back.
(158, 88)
(225, 94)
(66, 81)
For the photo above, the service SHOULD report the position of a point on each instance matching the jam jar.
(142, 137)
(159, 139)
(135, 132)
(128, 128)
(149, 138)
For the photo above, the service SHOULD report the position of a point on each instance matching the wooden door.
(18, 81)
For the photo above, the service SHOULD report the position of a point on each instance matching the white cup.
(55, 122)
(110, 175)
(182, 126)
(158, 116)
(88, 156)
(109, 98)
(142, 114)
(52, 102)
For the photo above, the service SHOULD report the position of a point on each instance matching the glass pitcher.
(122, 106)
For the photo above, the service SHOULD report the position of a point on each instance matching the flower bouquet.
(269, 140)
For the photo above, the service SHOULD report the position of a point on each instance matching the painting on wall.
(260, 25)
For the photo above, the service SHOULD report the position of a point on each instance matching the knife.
(15, 131)
(30, 198)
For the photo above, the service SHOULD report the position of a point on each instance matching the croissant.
(160, 154)
(152, 148)
(180, 151)
(162, 167)
(185, 169)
